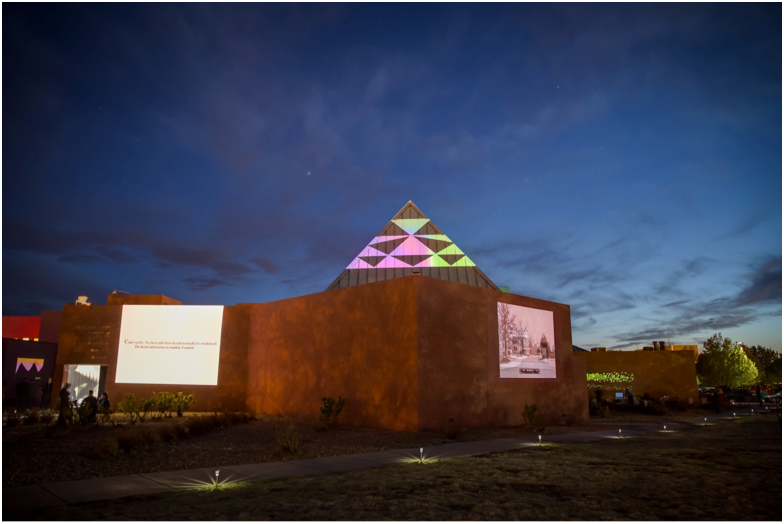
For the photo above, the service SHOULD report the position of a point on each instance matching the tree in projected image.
(506, 328)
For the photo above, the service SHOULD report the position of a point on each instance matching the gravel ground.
(44, 453)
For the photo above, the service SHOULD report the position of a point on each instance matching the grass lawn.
(725, 471)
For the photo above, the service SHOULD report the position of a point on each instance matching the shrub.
(136, 439)
(131, 406)
(106, 446)
(12, 419)
(288, 438)
(182, 402)
(450, 430)
(149, 405)
(330, 410)
(32, 417)
(81, 413)
(47, 417)
(164, 403)
(536, 421)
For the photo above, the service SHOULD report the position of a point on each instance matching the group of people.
(101, 403)
(25, 399)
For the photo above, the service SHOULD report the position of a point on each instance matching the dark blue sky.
(624, 159)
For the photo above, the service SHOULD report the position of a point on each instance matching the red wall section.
(21, 327)
(358, 343)
(458, 362)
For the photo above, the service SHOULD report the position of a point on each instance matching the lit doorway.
(83, 378)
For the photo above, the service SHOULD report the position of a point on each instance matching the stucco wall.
(91, 334)
(459, 368)
(358, 343)
(407, 354)
(658, 373)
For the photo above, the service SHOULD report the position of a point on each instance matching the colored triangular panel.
(373, 261)
(451, 250)
(371, 252)
(434, 245)
(394, 230)
(411, 260)
(390, 245)
(427, 229)
(435, 237)
(411, 224)
(451, 259)
(412, 246)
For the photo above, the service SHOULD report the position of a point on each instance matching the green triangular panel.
(451, 259)
(373, 261)
(427, 229)
(434, 245)
(390, 245)
(451, 250)
(412, 260)
(435, 237)
(411, 224)
(393, 230)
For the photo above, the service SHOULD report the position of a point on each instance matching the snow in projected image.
(526, 342)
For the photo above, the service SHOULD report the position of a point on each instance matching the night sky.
(624, 159)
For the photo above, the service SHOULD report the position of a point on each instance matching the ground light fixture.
(665, 427)
(619, 433)
(217, 474)
(540, 440)
(421, 454)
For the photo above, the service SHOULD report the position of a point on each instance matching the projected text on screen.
(169, 345)
(526, 342)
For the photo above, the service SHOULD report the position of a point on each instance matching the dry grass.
(38, 453)
(725, 471)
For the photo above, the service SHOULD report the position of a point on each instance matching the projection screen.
(169, 345)
(526, 342)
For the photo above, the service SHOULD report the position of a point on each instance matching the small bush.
(136, 439)
(330, 410)
(450, 430)
(131, 407)
(164, 403)
(106, 447)
(536, 421)
(46, 417)
(12, 419)
(288, 438)
(32, 417)
(182, 402)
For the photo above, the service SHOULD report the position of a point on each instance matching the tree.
(724, 363)
(505, 326)
(768, 363)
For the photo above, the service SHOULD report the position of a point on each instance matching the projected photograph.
(169, 345)
(526, 342)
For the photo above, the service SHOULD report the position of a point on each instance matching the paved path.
(90, 490)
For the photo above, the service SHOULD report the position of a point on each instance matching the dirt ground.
(725, 471)
(44, 453)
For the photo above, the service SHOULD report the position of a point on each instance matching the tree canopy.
(724, 363)
(768, 363)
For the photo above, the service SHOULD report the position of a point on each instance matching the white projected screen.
(169, 345)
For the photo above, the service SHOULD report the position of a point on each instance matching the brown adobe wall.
(358, 343)
(90, 335)
(459, 368)
(658, 373)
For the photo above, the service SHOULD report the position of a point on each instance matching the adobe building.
(411, 334)
(659, 373)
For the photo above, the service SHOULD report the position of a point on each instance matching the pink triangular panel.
(411, 247)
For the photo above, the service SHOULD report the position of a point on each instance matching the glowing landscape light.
(217, 474)
(619, 433)
(665, 427)
(421, 454)
(540, 440)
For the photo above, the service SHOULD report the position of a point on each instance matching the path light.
(540, 440)
(752, 410)
(705, 420)
(421, 456)
(619, 433)
(665, 427)
(733, 415)
(217, 473)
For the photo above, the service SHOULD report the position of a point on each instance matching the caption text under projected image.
(169, 345)
(526, 342)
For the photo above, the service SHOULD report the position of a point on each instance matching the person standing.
(46, 398)
(92, 402)
(65, 404)
(104, 403)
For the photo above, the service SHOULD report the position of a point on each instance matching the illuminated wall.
(658, 373)
(26, 328)
(169, 345)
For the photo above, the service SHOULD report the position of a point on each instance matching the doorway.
(83, 378)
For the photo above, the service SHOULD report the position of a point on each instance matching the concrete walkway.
(90, 490)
